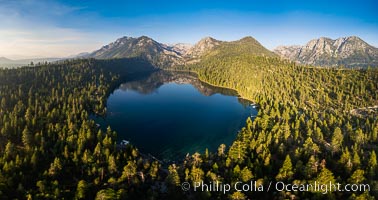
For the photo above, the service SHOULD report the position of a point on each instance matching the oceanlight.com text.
(254, 186)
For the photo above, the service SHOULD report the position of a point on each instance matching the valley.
(188, 100)
(303, 131)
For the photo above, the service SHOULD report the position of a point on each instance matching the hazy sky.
(56, 28)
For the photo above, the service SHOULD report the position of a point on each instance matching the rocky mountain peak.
(144, 47)
(202, 46)
(348, 51)
(207, 40)
(162, 55)
(181, 48)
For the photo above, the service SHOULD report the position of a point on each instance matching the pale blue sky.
(54, 28)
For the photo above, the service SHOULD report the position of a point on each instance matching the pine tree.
(81, 189)
(129, 171)
(173, 177)
(311, 167)
(246, 174)
(356, 160)
(325, 177)
(237, 196)
(196, 174)
(112, 165)
(357, 177)
(221, 150)
(337, 140)
(55, 167)
(26, 138)
(236, 171)
(286, 171)
(372, 165)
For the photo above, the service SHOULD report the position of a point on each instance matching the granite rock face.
(347, 51)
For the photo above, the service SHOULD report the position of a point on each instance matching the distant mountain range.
(163, 55)
(348, 51)
(6, 62)
(157, 53)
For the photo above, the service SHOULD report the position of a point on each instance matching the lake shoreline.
(211, 84)
(181, 95)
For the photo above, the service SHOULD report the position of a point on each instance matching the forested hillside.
(50, 149)
(314, 124)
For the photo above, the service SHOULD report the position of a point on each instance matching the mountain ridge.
(202, 46)
(143, 46)
(163, 55)
(349, 51)
(10, 63)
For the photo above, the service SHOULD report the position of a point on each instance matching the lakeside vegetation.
(50, 149)
(304, 132)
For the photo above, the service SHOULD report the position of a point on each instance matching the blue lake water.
(170, 114)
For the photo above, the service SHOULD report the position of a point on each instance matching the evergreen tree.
(286, 171)
(337, 140)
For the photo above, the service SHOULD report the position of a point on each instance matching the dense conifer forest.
(314, 124)
(50, 149)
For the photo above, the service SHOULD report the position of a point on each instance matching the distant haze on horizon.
(57, 28)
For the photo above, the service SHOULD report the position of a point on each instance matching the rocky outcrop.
(347, 51)
(158, 54)
(204, 45)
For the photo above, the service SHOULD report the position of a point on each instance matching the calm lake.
(170, 114)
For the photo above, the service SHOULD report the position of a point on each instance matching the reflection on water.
(149, 84)
(170, 114)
